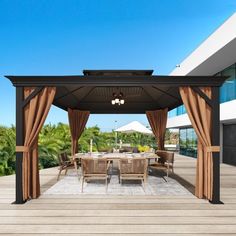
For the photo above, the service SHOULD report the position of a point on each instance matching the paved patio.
(121, 215)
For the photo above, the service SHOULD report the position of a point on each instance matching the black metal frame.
(84, 80)
(215, 138)
(19, 142)
(174, 81)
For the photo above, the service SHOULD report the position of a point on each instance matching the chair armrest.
(67, 161)
(108, 163)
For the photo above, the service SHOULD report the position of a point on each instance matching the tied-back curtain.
(77, 122)
(35, 114)
(157, 120)
(199, 113)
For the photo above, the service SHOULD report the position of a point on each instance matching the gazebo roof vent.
(118, 72)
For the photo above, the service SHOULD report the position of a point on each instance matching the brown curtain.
(157, 120)
(35, 114)
(77, 122)
(199, 113)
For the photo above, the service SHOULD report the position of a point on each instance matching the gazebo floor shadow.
(156, 185)
(187, 185)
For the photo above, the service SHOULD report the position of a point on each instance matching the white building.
(216, 55)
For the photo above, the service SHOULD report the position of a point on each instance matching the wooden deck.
(121, 215)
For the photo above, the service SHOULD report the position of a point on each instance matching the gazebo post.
(19, 142)
(215, 136)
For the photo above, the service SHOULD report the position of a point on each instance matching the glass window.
(181, 110)
(183, 137)
(172, 113)
(188, 142)
(228, 89)
(182, 141)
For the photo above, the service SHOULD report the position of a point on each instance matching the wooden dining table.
(116, 156)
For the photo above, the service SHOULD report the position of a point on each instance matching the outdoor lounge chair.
(133, 169)
(94, 168)
(165, 162)
(64, 163)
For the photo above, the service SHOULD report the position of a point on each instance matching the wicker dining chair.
(64, 164)
(165, 162)
(133, 169)
(94, 169)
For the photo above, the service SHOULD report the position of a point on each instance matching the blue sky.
(55, 37)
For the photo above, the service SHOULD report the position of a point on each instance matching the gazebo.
(93, 92)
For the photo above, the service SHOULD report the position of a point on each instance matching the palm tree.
(7, 150)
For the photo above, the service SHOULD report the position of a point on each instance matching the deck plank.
(121, 215)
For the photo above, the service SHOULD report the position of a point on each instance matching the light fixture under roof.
(118, 99)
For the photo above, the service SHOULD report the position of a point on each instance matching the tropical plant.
(7, 150)
(54, 139)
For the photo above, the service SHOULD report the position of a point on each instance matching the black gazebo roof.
(94, 90)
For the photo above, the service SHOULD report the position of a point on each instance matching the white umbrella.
(134, 126)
